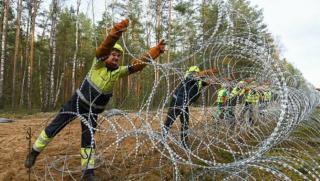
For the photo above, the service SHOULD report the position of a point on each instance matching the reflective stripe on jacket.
(97, 87)
(42, 141)
(88, 158)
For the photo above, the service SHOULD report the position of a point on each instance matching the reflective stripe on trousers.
(87, 158)
(42, 141)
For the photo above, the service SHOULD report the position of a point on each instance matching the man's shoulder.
(121, 71)
(122, 68)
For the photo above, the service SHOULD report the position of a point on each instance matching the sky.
(296, 24)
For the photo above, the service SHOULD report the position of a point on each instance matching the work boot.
(31, 158)
(88, 176)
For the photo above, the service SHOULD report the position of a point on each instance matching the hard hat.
(118, 47)
(194, 69)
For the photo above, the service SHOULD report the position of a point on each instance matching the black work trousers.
(178, 108)
(232, 109)
(74, 108)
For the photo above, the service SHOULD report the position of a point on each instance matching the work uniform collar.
(111, 68)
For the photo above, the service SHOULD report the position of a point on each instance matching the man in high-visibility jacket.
(187, 92)
(92, 96)
(251, 100)
(238, 90)
(222, 98)
(266, 97)
(236, 96)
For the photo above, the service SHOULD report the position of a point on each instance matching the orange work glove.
(105, 47)
(154, 52)
(246, 90)
(209, 72)
(119, 28)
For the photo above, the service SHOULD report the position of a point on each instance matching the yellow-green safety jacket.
(222, 95)
(237, 91)
(267, 96)
(252, 97)
(97, 87)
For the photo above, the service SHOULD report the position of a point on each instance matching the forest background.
(47, 50)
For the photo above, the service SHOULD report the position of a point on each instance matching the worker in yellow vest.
(251, 100)
(266, 97)
(238, 89)
(187, 92)
(222, 101)
(92, 97)
(236, 96)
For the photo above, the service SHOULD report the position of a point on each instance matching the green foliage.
(184, 8)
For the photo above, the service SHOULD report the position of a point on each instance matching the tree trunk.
(16, 53)
(40, 82)
(93, 25)
(148, 23)
(30, 68)
(158, 32)
(21, 103)
(58, 89)
(3, 49)
(204, 15)
(169, 32)
(53, 51)
(76, 50)
(1, 23)
(49, 84)
(24, 64)
(24, 61)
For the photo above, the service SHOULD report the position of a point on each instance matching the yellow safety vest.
(237, 91)
(252, 97)
(104, 79)
(88, 158)
(267, 96)
(222, 94)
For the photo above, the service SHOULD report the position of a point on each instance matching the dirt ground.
(14, 147)
(134, 158)
(125, 149)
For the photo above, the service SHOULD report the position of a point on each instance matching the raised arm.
(153, 53)
(208, 72)
(206, 76)
(105, 47)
